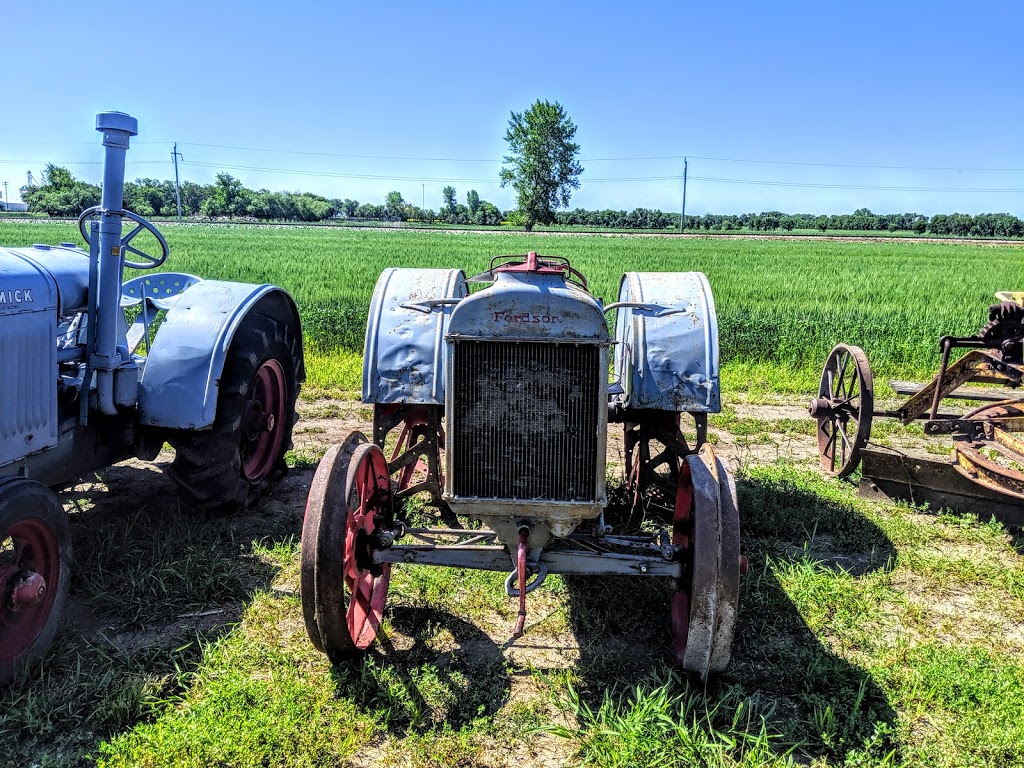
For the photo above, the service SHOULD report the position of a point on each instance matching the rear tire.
(35, 539)
(232, 463)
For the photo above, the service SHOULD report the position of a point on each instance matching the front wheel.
(35, 561)
(230, 464)
(343, 591)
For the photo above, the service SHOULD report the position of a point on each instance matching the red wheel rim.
(367, 584)
(681, 527)
(263, 423)
(413, 429)
(28, 546)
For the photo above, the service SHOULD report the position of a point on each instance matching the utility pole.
(177, 188)
(7, 200)
(423, 196)
(682, 218)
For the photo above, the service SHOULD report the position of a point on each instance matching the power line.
(79, 162)
(854, 165)
(629, 158)
(610, 180)
(879, 188)
(335, 154)
(614, 159)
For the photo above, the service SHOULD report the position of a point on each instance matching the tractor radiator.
(525, 420)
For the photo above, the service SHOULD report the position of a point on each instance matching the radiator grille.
(28, 386)
(525, 420)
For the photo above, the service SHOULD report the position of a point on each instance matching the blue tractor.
(96, 370)
(496, 405)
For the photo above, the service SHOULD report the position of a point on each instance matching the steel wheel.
(731, 563)
(35, 557)
(993, 456)
(843, 409)
(343, 591)
(415, 457)
(701, 571)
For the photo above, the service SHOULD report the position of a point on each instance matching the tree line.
(59, 193)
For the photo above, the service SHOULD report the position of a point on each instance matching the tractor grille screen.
(525, 420)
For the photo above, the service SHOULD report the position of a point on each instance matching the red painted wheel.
(263, 423)
(681, 527)
(731, 564)
(415, 430)
(843, 409)
(706, 523)
(414, 452)
(35, 557)
(343, 590)
(700, 579)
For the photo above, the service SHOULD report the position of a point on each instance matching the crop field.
(869, 634)
(782, 304)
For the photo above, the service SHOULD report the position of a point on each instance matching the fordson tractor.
(94, 370)
(496, 404)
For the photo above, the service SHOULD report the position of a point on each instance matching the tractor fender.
(403, 361)
(181, 380)
(666, 334)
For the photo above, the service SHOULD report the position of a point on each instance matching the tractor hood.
(66, 264)
(25, 286)
(529, 306)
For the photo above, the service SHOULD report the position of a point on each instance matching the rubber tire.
(19, 500)
(207, 466)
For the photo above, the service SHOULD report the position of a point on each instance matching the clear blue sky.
(419, 95)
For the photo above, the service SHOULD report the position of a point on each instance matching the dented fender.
(666, 333)
(403, 360)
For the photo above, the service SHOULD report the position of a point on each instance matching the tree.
(227, 197)
(542, 165)
(473, 202)
(394, 207)
(448, 193)
(60, 194)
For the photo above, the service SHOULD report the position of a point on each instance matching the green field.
(868, 634)
(782, 304)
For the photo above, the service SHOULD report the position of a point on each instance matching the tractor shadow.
(809, 697)
(428, 669)
(151, 585)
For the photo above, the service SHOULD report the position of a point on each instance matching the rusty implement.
(985, 472)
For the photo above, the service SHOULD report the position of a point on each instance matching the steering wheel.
(148, 262)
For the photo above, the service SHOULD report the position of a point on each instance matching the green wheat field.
(869, 634)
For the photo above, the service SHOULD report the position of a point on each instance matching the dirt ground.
(778, 435)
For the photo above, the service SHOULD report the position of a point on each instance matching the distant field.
(782, 304)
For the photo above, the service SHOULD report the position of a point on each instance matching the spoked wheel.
(706, 524)
(414, 463)
(35, 558)
(655, 447)
(843, 409)
(349, 506)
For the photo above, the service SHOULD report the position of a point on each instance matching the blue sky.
(893, 106)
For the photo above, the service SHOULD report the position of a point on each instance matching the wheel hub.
(257, 421)
(262, 440)
(24, 588)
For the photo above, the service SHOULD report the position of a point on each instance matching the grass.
(849, 651)
(781, 304)
(868, 635)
